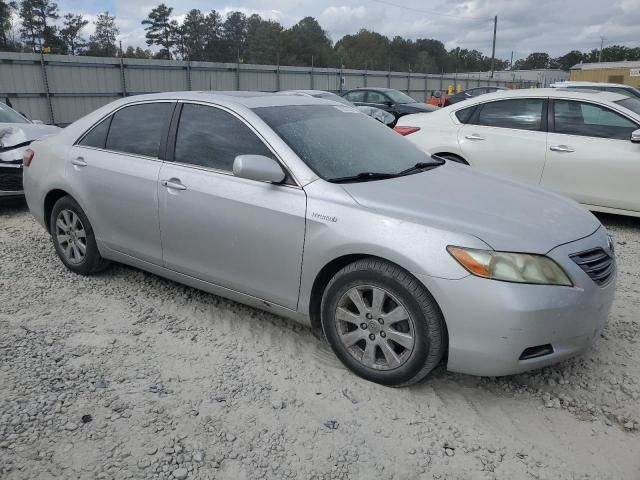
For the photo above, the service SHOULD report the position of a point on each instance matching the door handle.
(173, 183)
(561, 148)
(474, 136)
(79, 162)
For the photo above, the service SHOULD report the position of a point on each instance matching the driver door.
(240, 234)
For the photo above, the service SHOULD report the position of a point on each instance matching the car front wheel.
(382, 323)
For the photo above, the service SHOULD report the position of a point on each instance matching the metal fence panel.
(60, 89)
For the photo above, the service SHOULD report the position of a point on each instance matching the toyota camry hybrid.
(311, 210)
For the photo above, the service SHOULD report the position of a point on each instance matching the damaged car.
(16, 133)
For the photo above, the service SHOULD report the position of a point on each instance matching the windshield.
(337, 142)
(399, 97)
(631, 103)
(334, 97)
(9, 115)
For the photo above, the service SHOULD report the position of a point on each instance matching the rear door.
(507, 137)
(114, 171)
(241, 234)
(590, 156)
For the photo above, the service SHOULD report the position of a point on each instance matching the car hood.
(506, 215)
(12, 134)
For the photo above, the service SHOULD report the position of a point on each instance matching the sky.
(524, 26)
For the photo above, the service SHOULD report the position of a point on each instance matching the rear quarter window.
(465, 114)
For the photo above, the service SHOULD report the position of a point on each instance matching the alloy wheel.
(71, 236)
(375, 327)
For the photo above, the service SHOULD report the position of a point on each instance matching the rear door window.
(356, 96)
(376, 97)
(138, 129)
(521, 114)
(590, 120)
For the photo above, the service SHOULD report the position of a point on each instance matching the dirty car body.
(276, 245)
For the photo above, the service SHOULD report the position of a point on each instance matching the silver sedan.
(310, 210)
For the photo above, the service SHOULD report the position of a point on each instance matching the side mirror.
(388, 103)
(635, 136)
(258, 167)
(37, 122)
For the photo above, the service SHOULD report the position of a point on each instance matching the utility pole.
(602, 39)
(493, 50)
(511, 62)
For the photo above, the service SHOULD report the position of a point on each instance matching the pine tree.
(6, 11)
(160, 29)
(103, 41)
(70, 33)
(37, 18)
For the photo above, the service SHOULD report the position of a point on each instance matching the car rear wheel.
(382, 323)
(73, 238)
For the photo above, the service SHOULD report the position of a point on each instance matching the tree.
(234, 36)
(263, 40)
(130, 52)
(37, 28)
(534, 61)
(214, 29)
(161, 30)
(365, 49)
(103, 41)
(305, 42)
(194, 34)
(7, 9)
(70, 33)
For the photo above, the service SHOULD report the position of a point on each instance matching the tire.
(73, 238)
(354, 333)
(454, 158)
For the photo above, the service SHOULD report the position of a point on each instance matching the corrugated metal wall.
(60, 89)
(606, 75)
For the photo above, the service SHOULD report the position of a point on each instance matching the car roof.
(571, 93)
(246, 99)
(575, 83)
(308, 92)
(376, 89)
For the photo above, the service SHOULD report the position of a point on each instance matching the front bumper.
(491, 323)
(11, 180)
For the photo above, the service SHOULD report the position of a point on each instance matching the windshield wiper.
(422, 166)
(363, 177)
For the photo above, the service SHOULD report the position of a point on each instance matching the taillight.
(27, 157)
(404, 131)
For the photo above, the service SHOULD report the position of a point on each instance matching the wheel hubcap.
(71, 236)
(375, 327)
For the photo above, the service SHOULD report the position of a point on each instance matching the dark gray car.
(388, 99)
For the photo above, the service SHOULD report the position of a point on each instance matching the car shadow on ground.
(12, 205)
(612, 220)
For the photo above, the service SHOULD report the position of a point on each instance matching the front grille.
(11, 180)
(596, 263)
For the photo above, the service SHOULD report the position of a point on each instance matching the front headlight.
(511, 267)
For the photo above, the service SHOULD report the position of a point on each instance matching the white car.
(602, 87)
(585, 145)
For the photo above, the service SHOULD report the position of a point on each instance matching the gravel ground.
(127, 375)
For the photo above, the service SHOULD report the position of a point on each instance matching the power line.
(431, 12)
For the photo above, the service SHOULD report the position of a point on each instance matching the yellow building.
(607, 72)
